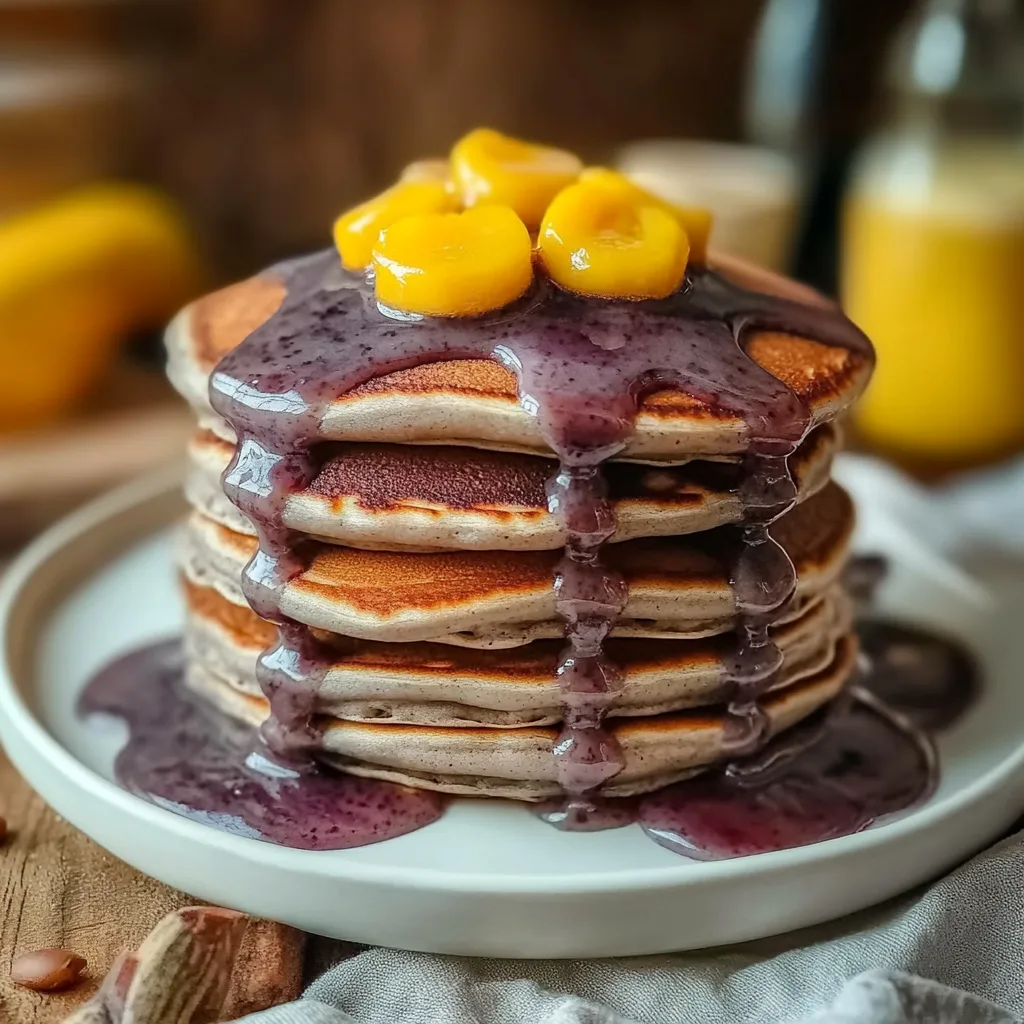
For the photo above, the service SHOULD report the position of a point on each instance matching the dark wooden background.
(266, 117)
(269, 116)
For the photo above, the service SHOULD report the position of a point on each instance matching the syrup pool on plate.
(183, 755)
(837, 773)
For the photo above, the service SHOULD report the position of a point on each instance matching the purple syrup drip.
(185, 756)
(582, 367)
(763, 580)
(290, 673)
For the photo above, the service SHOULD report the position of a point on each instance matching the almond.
(47, 970)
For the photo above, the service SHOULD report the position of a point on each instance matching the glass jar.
(933, 243)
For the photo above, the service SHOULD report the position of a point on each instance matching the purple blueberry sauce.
(582, 366)
(184, 755)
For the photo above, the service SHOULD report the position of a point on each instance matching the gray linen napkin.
(964, 932)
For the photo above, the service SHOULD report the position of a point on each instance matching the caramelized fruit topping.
(356, 232)
(609, 243)
(491, 168)
(453, 264)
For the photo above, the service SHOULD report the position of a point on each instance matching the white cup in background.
(754, 193)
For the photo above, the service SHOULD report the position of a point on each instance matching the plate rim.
(21, 728)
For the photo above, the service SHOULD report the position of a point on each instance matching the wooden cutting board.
(59, 889)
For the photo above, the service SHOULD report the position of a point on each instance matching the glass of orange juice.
(933, 271)
(933, 239)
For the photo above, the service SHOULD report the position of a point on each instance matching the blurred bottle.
(784, 91)
(933, 247)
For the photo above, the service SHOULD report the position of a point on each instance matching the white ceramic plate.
(488, 878)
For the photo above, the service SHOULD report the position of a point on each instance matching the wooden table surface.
(59, 889)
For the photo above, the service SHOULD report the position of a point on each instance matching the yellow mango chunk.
(696, 220)
(607, 242)
(437, 169)
(489, 167)
(356, 232)
(453, 264)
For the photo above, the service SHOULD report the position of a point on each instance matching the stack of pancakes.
(431, 554)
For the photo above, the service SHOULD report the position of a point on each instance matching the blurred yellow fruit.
(609, 243)
(76, 276)
(356, 232)
(436, 169)
(453, 264)
(489, 167)
(695, 220)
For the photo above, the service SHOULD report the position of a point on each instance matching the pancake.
(518, 763)
(402, 497)
(678, 587)
(436, 684)
(474, 402)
